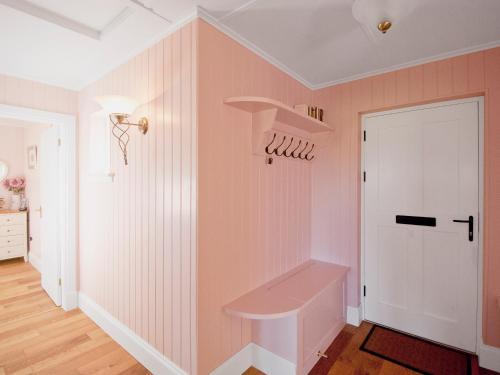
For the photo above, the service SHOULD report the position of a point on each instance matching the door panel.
(49, 199)
(422, 279)
(440, 283)
(398, 188)
(393, 258)
(440, 162)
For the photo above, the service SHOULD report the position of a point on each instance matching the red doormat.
(416, 354)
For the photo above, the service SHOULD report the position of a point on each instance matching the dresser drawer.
(8, 241)
(12, 219)
(12, 252)
(13, 230)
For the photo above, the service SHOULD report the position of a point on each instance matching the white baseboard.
(489, 357)
(271, 364)
(354, 315)
(35, 262)
(148, 356)
(238, 363)
(258, 357)
(69, 300)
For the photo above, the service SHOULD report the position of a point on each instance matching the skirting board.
(69, 300)
(354, 315)
(258, 357)
(489, 357)
(143, 352)
(35, 261)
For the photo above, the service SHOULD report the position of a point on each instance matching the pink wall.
(30, 94)
(336, 178)
(254, 219)
(24, 93)
(138, 233)
(32, 137)
(11, 152)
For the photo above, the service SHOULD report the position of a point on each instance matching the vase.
(15, 202)
(23, 206)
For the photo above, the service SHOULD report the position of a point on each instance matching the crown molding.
(143, 47)
(67, 23)
(201, 13)
(46, 15)
(392, 68)
(204, 15)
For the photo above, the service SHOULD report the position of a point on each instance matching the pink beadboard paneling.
(254, 219)
(459, 72)
(402, 86)
(30, 94)
(389, 88)
(138, 232)
(475, 71)
(430, 81)
(336, 182)
(445, 77)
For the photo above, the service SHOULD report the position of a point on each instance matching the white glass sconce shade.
(116, 104)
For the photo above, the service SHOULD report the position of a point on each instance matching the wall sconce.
(120, 108)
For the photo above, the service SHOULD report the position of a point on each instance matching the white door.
(422, 164)
(49, 226)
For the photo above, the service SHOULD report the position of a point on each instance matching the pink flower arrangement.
(15, 184)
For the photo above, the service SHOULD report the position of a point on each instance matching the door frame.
(480, 101)
(68, 182)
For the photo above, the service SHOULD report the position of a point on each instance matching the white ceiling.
(71, 43)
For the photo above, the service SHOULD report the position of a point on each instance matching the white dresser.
(13, 235)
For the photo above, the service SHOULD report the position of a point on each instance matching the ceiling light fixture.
(120, 108)
(381, 15)
(384, 26)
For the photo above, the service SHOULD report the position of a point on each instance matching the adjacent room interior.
(20, 189)
(233, 187)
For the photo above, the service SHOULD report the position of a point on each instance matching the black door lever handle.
(471, 226)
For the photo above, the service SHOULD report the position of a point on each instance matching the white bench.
(297, 315)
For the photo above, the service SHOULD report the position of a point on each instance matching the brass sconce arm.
(119, 109)
(121, 125)
(122, 119)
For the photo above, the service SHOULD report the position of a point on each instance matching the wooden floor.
(36, 337)
(349, 360)
(345, 358)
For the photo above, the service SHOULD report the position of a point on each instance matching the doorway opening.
(39, 196)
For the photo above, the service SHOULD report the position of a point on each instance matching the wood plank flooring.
(345, 358)
(37, 337)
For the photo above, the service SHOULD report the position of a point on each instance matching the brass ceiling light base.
(384, 26)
